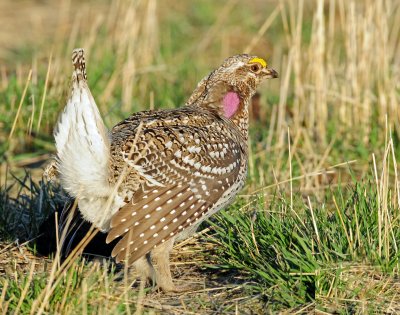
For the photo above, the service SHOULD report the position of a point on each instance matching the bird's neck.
(221, 98)
(241, 119)
(227, 104)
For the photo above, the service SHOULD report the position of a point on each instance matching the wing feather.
(194, 167)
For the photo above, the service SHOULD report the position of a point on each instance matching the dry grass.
(354, 286)
(210, 292)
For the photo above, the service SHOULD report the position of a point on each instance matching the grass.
(303, 257)
(317, 226)
(338, 254)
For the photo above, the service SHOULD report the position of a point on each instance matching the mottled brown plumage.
(182, 170)
(171, 169)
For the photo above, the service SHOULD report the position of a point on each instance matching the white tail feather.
(83, 149)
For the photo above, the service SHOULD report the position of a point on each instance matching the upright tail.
(83, 148)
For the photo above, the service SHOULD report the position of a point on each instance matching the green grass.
(273, 247)
(31, 203)
(280, 250)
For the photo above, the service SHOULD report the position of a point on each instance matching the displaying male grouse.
(158, 174)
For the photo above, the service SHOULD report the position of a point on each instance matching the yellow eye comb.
(260, 61)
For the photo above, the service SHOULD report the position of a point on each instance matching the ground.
(315, 230)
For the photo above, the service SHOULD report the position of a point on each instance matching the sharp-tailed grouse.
(158, 174)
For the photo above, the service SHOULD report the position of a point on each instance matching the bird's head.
(230, 87)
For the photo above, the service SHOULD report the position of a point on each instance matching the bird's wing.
(186, 170)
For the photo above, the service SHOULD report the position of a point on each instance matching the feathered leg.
(160, 256)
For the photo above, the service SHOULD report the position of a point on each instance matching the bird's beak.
(270, 73)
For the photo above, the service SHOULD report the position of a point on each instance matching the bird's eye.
(255, 67)
(257, 64)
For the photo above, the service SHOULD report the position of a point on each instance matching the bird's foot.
(172, 288)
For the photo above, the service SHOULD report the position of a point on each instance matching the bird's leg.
(145, 269)
(160, 256)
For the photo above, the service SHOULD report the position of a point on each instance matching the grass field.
(317, 227)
